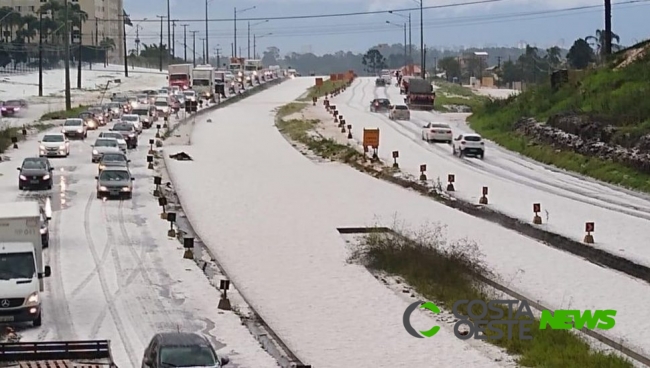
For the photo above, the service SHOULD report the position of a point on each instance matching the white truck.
(253, 69)
(180, 75)
(203, 81)
(21, 262)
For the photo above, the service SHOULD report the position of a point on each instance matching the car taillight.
(482, 143)
(448, 132)
(462, 142)
(376, 104)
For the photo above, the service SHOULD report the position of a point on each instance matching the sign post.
(537, 208)
(371, 139)
(590, 227)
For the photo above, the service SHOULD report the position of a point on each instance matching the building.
(471, 57)
(105, 19)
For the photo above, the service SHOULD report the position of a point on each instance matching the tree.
(271, 56)
(451, 66)
(107, 44)
(598, 41)
(373, 60)
(510, 72)
(580, 54)
(553, 56)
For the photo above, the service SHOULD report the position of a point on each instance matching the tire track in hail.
(94, 330)
(119, 325)
(353, 91)
(516, 177)
(62, 317)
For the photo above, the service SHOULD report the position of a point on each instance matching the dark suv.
(380, 82)
(380, 104)
(129, 133)
(181, 349)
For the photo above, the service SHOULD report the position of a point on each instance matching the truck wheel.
(38, 321)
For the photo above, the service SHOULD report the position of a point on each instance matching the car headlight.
(62, 147)
(255, 73)
(33, 298)
(23, 177)
(95, 152)
(126, 189)
(42, 148)
(80, 130)
(62, 130)
(132, 135)
(46, 177)
(43, 230)
(102, 167)
(103, 188)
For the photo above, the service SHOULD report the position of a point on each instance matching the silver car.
(115, 182)
(121, 142)
(399, 112)
(113, 160)
(102, 146)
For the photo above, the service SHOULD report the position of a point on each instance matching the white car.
(399, 112)
(437, 132)
(54, 144)
(162, 105)
(121, 142)
(469, 145)
(133, 119)
(104, 145)
(75, 128)
(388, 78)
(189, 95)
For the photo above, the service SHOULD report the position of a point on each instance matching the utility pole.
(173, 39)
(207, 35)
(423, 63)
(137, 39)
(126, 54)
(185, 41)
(194, 46)
(406, 63)
(79, 58)
(40, 53)
(254, 44)
(203, 43)
(66, 37)
(410, 41)
(218, 52)
(235, 46)
(169, 30)
(160, 46)
(249, 40)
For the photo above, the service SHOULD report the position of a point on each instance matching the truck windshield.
(250, 68)
(201, 82)
(234, 66)
(17, 266)
(178, 77)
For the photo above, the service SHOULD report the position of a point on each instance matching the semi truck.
(21, 263)
(419, 94)
(180, 75)
(86, 354)
(203, 81)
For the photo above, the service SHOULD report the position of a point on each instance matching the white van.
(21, 263)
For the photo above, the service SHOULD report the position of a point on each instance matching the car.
(387, 78)
(142, 98)
(380, 82)
(144, 111)
(162, 105)
(35, 172)
(75, 127)
(189, 95)
(121, 142)
(102, 146)
(399, 112)
(114, 109)
(469, 145)
(13, 107)
(54, 144)
(101, 115)
(437, 132)
(114, 182)
(128, 132)
(89, 119)
(163, 92)
(133, 119)
(113, 160)
(181, 349)
(379, 104)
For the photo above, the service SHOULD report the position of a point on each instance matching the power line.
(449, 22)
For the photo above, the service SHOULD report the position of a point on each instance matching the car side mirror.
(47, 272)
(132, 179)
(96, 177)
(224, 360)
(51, 169)
(19, 169)
(147, 361)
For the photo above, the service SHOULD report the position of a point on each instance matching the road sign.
(371, 138)
(537, 208)
(451, 178)
(395, 154)
(423, 168)
(319, 82)
(485, 191)
(590, 227)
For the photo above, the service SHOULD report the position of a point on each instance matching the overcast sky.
(503, 23)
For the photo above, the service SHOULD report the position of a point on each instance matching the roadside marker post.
(171, 217)
(224, 302)
(537, 208)
(590, 227)
(483, 199)
(157, 180)
(451, 178)
(349, 131)
(395, 157)
(162, 202)
(188, 244)
(151, 143)
(150, 161)
(423, 170)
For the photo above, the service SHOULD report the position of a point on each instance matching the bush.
(64, 114)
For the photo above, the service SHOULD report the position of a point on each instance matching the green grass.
(63, 114)
(454, 94)
(328, 87)
(442, 272)
(7, 133)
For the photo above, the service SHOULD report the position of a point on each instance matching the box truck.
(21, 262)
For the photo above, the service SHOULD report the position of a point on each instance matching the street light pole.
(40, 53)
(185, 41)
(423, 62)
(207, 35)
(235, 21)
(193, 47)
(404, 28)
(160, 46)
(169, 30)
(255, 42)
(66, 36)
(249, 41)
(126, 54)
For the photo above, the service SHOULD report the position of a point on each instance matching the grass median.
(442, 271)
(8, 133)
(64, 114)
(327, 88)
(454, 94)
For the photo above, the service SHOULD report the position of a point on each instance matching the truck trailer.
(69, 354)
(21, 263)
(180, 75)
(203, 81)
(419, 94)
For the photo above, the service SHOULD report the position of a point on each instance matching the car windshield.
(130, 118)
(117, 136)
(17, 266)
(187, 356)
(114, 105)
(188, 93)
(141, 111)
(113, 158)
(114, 175)
(34, 165)
(161, 103)
(106, 143)
(440, 126)
(73, 122)
(85, 115)
(53, 138)
(12, 103)
(472, 138)
(401, 107)
(123, 127)
(142, 97)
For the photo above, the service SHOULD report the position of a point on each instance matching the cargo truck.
(21, 263)
(72, 354)
(253, 69)
(203, 81)
(180, 75)
(419, 94)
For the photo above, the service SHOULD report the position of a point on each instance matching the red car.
(13, 107)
